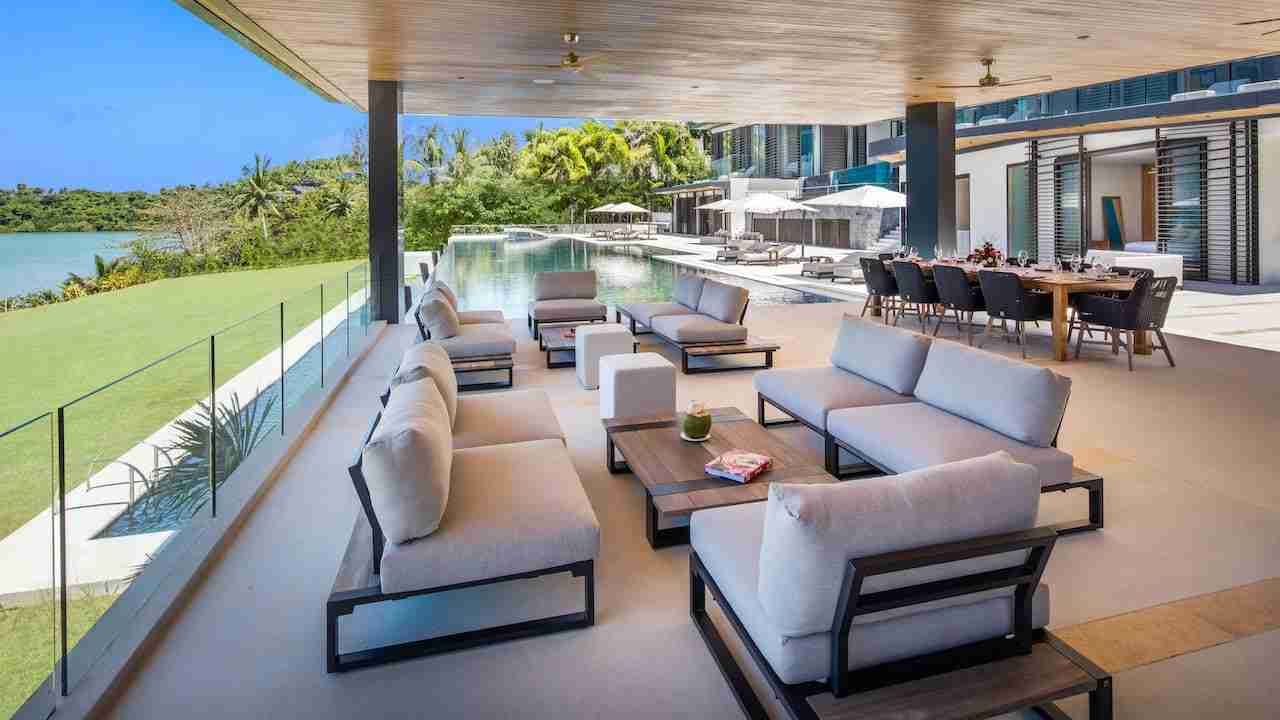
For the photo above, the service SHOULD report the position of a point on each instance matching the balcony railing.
(107, 483)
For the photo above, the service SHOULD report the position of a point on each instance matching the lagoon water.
(35, 261)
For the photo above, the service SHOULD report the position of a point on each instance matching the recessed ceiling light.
(1083, 37)
(543, 81)
(918, 77)
(460, 77)
(695, 87)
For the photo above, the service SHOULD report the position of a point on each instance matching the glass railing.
(119, 473)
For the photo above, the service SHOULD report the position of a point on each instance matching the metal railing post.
(62, 552)
(347, 315)
(282, 398)
(213, 430)
(321, 334)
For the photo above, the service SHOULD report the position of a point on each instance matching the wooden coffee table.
(671, 469)
(558, 339)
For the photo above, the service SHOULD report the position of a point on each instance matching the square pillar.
(931, 177)
(386, 249)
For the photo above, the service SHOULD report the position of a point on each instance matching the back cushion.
(688, 289)
(428, 359)
(577, 284)
(438, 316)
(811, 531)
(407, 462)
(722, 302)
(882, 354)
(1013, 398)
(447, 292)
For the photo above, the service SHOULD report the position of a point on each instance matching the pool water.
(492, 273)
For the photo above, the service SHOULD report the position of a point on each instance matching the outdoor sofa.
(477, 341)
(456, 493)
(564, 297)
(901, 401)
(913, 595)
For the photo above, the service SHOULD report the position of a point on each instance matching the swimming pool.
(490, 272)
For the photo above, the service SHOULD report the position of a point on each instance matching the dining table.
(1061, 285)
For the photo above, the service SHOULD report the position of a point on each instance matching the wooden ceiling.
(836, 61)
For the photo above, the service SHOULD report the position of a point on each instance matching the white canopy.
(769, 204)
(866, 196)
(607, 208)
(723, 205)
(628, 208)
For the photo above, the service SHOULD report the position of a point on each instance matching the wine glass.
(1076, 262)
(1022, 258)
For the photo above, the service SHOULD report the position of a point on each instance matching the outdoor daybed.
(905, 596)
(450, 502)
(477, 341)
(900, 401)
(564, 297)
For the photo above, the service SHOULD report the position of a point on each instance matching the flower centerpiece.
(697, 423)
(986, 256)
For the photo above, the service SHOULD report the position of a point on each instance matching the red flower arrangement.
(987, 256)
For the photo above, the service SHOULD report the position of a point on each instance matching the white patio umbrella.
(629, 209)
(872, 196)
(775, 205)
(723, 205)
(603, 209)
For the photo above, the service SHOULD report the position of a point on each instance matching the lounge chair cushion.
(722, 302)
(407, 462)
(811, 393)
(447, 292)
(427, 359)
(476, 317)
(697, 329)
(688, 289)
(514, 508)
(916, 435)
(508, 417)
(1014, 398)
(565, 309)
(482, 340)
(885, 355)
(438, 316)
(644, 313)
(728, 540)
(810, 531)
(580, 284)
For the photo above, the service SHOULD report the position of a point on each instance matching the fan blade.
(1026, 80)
(1256, 22)
(584, 59)
(1270, 32)
(957, 87)
(528, 67)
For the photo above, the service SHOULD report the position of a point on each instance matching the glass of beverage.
(1022, 258)
(1076, 262)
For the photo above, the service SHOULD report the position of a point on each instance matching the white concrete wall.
(988, 193)
(1269, 200)
(1123, 180)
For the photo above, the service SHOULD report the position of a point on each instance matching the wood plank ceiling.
(837, 61)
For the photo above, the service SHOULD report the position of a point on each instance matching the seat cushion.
(478, 341)
(1014, 398)
(428, 359)
(644, 313)
(406, 463)
(513, 508)
(507, 417)
(565, 309)
(810, 532)
(728, 541)
(438, 316)
(687, 289)
(577, 284)
(911, 436)
(883, 354)
(722, 302)
(813, 392)
(697, 329)
(476, 317)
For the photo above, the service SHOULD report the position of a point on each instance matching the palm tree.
(431, 151)
(257, 195)
(460, 165)
(339, 200)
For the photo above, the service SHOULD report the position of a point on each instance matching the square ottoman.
(593, 342)
(637, 384)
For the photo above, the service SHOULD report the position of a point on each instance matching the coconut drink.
(697, 422)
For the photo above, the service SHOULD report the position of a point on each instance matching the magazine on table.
(739, 465)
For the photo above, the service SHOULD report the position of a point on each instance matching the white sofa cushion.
(811, 393)
(481, 340)
(506, 417)
(579, 284)
(688, 289)
(407, 462)
(697, 329)
(565, 309)
(514, 508)
(476, 317)
(428, 359)
(811, 531)
(886, 355)
(722, 302)
(915, 435)
(438, 316)
(644, 313)
(1012, 397)
(446, 292)
(728, 541)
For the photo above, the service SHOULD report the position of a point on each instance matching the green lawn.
(27, 653)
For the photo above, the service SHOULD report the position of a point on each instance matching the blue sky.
(141, 94)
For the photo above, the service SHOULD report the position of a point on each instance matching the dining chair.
(918, 294)
(1073, 324)
(956, 294)
(1144, 310)
(880, 284)
(1008, 300)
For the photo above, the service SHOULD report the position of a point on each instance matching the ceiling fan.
(991, 81)
(1261, 22)
(570, 61)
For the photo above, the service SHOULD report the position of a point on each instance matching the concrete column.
(931, 177)
(386, 250)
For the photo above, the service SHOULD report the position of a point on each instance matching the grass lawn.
(27, 653)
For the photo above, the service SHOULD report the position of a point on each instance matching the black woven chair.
(880, 284)
(1008, 300)
(918, 294)
(1144, 310)
(1074, 326)
(956, 294)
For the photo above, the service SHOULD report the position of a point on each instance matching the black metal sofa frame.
(987, 654)
(536, 334)
(684, 348)
(1091, 483)
(343, 600)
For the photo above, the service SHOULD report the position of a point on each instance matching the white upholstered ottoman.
(592, 342)
(637, 384)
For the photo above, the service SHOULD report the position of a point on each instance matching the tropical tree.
(339, 200)
(500, 153)
(460, 163)
(430, 151)
(258, 195)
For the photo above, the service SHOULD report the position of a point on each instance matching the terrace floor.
(1192, 508)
